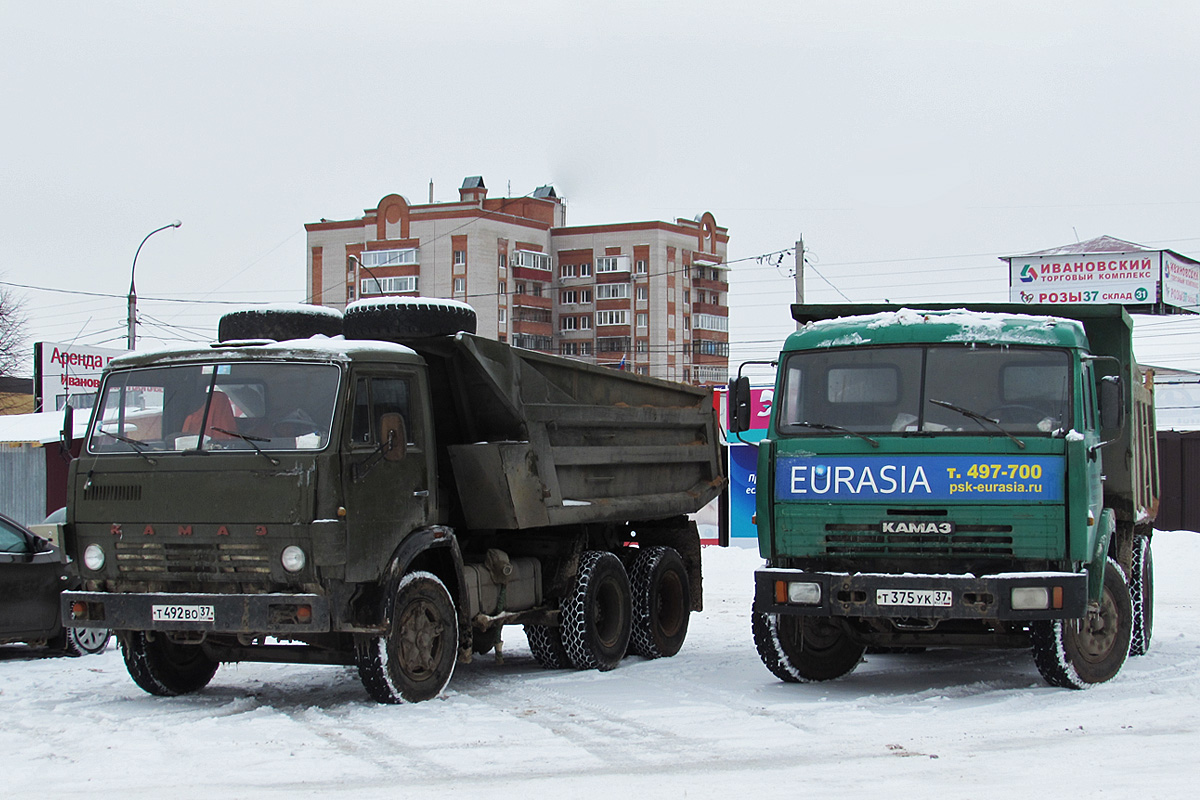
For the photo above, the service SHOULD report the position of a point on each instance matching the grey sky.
(911, 143)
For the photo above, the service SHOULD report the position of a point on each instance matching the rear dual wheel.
(661, 603)
(1141, 593)
(597, 615)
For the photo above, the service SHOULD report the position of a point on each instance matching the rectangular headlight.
(1028, 598)
(804, 593)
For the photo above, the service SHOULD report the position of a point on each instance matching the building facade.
(650, 297)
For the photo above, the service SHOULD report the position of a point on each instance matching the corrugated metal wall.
(23, 482)
(1179, 473)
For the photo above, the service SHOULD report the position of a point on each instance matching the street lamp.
(131, 337)
(357, 260)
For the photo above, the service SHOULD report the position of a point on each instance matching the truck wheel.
(85, 641)
(800, 649)
(1141, 592)
(597, 616)
(1075, 654)
(661, 603)
(164, 668)
(415, 660)
(403, 318)
(546, 644)
(279, 324)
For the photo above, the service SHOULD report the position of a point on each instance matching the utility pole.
(799, 273)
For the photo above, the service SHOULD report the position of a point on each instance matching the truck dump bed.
(534, 440)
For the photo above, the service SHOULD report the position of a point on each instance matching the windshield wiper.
(975, 415)
(134, 443)
(251, 440)
(821, 426)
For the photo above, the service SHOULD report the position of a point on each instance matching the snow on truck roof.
(335, 348)
(914, 325)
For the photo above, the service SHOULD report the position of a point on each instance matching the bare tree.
(12, 337)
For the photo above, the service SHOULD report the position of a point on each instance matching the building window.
(532, 342)
(460, 285)
(527, 314)
(641, 320)
(535, 289)
(585, 323)
(531, 259)
(643, 293)
(612, 291)
(585, 270)
(404, 283)
(568, 349)
(502, 316)
(687, 297)
(566, 323)
(707, 348)
(520, 287)
(642, 346)
(612, 318)
(643, 370)
(389, 258)
(711, 322)
(585, 295)
(569, 297)
(503, 263)
(612, 264)
(585, 348)
(460, 257)
(502, 288)
(641, 267)
(612, 344)
(566, 271)
(712, 374)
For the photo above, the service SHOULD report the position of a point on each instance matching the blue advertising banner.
(743, 460)
(945, 479)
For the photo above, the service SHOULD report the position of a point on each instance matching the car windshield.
(216, 406)
(942, 388)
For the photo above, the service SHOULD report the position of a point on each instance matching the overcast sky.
(910, 143)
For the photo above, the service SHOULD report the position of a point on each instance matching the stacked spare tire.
(391, 319)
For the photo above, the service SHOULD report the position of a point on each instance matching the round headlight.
(293, 558)
(93, 557)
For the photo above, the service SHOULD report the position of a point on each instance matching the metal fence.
(1179, 476)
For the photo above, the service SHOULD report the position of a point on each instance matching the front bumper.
(231, 613)
(988, 597)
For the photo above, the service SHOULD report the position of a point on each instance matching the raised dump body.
(948, 476)
(390, 498)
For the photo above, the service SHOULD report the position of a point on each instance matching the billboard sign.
(1180, 282)
(68, 371)
(1127, 278)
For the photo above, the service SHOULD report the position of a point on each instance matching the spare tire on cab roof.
(405, 318)
(279, 324)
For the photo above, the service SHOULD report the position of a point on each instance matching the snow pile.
(711, 722)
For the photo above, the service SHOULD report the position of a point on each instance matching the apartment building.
(650, 297)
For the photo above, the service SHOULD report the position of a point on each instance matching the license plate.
(182, 613)
(913, 597)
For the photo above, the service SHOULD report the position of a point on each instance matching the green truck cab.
(948, 476)
(384, 489)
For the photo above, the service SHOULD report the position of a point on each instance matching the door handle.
(422, 493)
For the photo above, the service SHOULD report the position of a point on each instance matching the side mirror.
(393, 436)
(1112, 402)
(66, 437)
(739, 405)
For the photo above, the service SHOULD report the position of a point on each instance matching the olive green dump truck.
(941, 476)
(382, 488)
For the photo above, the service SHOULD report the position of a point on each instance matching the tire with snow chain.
(546, 644)
(415, 659)
(661, 603)
(800, 649)
(399, 319)
(1141, 594)
(279, 324)
(164, 668)
(597, 615)
(1077, 653)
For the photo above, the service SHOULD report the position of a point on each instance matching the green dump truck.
(942, 476)
(387, 490)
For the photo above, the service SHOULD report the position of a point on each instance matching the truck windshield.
(216, 406)
(893, 389)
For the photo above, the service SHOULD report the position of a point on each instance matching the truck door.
(1091, 422)
(388, 490)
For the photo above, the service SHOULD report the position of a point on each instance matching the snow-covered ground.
(711, 722)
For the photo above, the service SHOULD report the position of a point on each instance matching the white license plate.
(913, 597)
(182, 613)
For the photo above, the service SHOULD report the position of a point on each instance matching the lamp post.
(131, 336)
(357, 260)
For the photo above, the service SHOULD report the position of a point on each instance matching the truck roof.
(875, 325)
(317, 348)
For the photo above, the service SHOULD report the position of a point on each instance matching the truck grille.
(221, 561)
(967, 540)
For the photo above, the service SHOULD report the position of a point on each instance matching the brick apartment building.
(652, 296)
